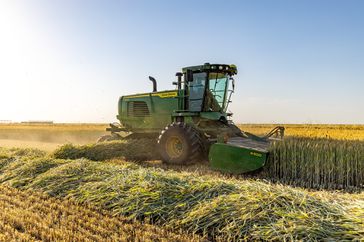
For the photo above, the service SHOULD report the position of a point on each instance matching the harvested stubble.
(317, 163)
(132, 149)
(216, 208)
(31, 216)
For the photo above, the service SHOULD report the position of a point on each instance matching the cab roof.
(230, 69)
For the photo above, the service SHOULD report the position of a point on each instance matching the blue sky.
(69, 61)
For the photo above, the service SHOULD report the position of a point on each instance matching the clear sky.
(69, 61)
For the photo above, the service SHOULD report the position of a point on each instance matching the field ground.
(10, 143)
(32, 216)
(48, 136)
(214, 207)
(193, 199)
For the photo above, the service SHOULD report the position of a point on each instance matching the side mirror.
(232, 83)
(189, 76)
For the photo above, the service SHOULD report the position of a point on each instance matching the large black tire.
(180, 143)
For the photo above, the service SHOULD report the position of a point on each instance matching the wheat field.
(328, 131)
(33, 135)
(73, 190)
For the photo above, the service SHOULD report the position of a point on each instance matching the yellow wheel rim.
(174, 147)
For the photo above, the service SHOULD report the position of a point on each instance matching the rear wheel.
(180, 143)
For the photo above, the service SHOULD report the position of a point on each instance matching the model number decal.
(165, 94)
(161, 95)
(255, 154)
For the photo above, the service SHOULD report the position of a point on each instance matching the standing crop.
(317, 163)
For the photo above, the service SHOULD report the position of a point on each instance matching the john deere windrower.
(192, 122)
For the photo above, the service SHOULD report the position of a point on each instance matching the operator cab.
(208, 87)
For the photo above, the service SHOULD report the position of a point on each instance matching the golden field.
(50, 136)
(329, 131)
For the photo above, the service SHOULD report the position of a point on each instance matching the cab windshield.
(218, 85)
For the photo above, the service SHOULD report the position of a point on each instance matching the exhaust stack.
(179, 79)
(152, 79)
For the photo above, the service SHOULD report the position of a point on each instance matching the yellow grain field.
(50, 136)
(331, 131)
